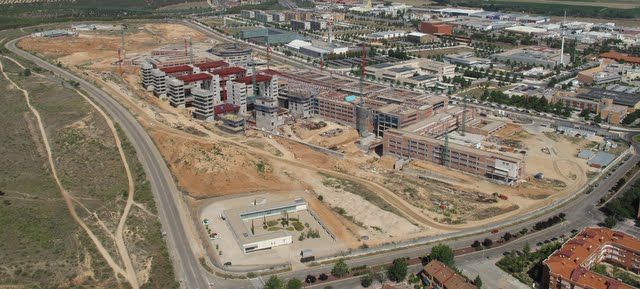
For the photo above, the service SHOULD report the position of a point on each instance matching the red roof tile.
(229, 71)
(179, 68)
(195, 77)
(249, 79)
(212, 64)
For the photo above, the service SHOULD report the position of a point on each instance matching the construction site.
(374, 164)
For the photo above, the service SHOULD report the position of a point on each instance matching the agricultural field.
(55, 238)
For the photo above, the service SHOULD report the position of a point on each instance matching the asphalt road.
(166, 194)
(580, 212)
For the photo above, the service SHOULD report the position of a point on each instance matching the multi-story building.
(272, 36)
(233, 53)
(300, 25)
(146, 75)
(336, 107)
(175, 92)
(278, 17)
(226, 74)
(159, 83)
(247, 14)
(204, 102)
(405, 144)
(266, 107)
(239, 90)
(264, 17)
(438, 275)
(318, 24)
(569, 267)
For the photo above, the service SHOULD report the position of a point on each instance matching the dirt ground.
(207, 163)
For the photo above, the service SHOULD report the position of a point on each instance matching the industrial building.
(438, 28)
(250, 242)
(466, 58)
(569, 266)
(538, 56)
(271, 36)
(386, 35)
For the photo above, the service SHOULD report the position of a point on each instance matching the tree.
(478, 282)
(274, 283)
(597, 118)
(310, 279)
(526, 250)
(294, 284)
(442, 253)
(340, 269)
(366, 280)
(610, 221)
(26, 72)
(398, 270)
(487, 242)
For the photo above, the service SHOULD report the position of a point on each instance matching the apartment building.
(569, 267)
(205, 100)
(175, 92)
(335, 106)
(239, 90)
(159, 83)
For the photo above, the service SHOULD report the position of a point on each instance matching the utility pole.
(360, 109)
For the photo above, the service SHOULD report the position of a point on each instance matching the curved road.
(166, 193)
(168, 198)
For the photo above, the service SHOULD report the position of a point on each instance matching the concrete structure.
(318, 25)
(399, 71)
(465, 58)
(146, 75)
(264, 17)
(385, 35)
(233, 53)
(419, 37)
(540, 56)
(262, 35)
(240, 90)
(247, 14)
(205, 100)
(300, 25)
(159, 83)
(491, 165)
(266, 107)
(175, 92)
(438, 28)
(232, 123)
(437, 275)
(248, 241)
(569, 266)
(278, 17)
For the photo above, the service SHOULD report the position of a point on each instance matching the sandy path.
(122, 248)
(65, 194)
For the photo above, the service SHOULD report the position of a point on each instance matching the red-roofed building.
(436, 28)
(617, 56)
(569, 266)
(195, 77)
(212, 65)
(177, 70)
(249, 79)
(228, 73)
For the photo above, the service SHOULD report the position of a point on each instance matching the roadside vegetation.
(525, 265)
(623, 207)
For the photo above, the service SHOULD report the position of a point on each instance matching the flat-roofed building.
(436, 28)
(404, 144)
(250, 242)
(538, 55)
(159, 83)
(300, 25)
(569, 266)
(175, 92)
(146, 75)
(205, 100)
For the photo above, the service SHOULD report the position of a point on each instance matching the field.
(622, 4)
(75, 237)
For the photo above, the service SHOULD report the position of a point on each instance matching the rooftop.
(195, 77)
(249, 79)
(179, 68)
(620, 98)
(568, 260)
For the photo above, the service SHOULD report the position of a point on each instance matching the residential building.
(318, 24)
(300, 25)
(159, 83)
(569, 266)
(438, 275)
(205, 100)
(146, 75)
(175, 92)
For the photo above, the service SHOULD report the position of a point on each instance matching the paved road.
(164, 189)
(187, 266)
